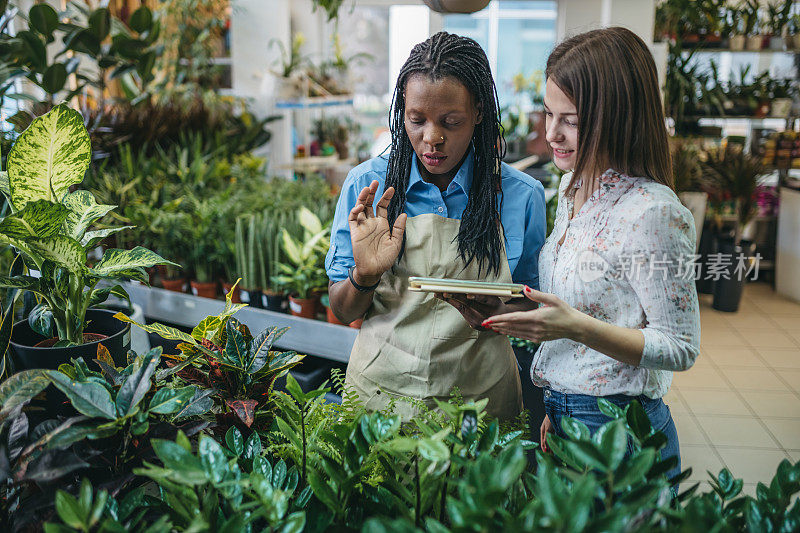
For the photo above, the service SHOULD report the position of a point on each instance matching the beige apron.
(414, 345)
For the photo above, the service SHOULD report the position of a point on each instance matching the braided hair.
(448, 55)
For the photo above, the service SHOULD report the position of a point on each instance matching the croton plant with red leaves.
(223, 357)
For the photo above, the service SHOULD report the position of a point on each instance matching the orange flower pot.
(174, 285)
(206, 290)
(303, 307)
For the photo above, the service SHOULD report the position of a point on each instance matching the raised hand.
(375, 245)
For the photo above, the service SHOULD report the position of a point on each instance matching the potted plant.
(228, 363)
(207, 216)
(304, 275)
(687, 175)
(779, 15)
(272, 221)
(51, 229)
(782, 95)
(734, 28)
(750, 16)
(168, 225)
(731, 171)
(290, 79)
(250, 259)
(793, 33)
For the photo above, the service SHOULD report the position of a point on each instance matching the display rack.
(290, 109)
(310, 337)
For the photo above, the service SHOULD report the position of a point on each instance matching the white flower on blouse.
(623, 261)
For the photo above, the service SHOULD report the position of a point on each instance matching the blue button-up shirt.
(521, 206)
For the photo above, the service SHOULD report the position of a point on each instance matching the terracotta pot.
(303, 307)
(356, 324)
(206, 290)
(331, 317)
(754, 42)
(736, 42)
(236, 296)
(175, 285)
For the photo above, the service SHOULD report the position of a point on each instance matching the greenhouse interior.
(311, 265)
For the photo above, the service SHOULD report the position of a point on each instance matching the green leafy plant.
(779, 13)
(113, 50)
(232, 366)
(686, 170)
(305, 270)
(250, 256)
(51, 227)
(729, 172)
(121, 410)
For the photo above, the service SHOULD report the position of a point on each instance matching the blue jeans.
(584, 408)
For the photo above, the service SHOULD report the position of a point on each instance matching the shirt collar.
(462, 179)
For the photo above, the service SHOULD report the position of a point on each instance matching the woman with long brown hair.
(618, 310)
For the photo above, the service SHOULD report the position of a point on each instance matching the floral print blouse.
(626, 259)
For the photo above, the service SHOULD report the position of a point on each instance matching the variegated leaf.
(229, 299)
(83, 212)
(116, 260)
(262, 346)
(138, 274)
(159, 329)
(200, 403)
(37, 219)
(167, 400)
(20, 282)
(20, 388)
(91, 238)
(61, 250)
(207, 328)
(236, 352)
(4, 185)
(244, 409)
(309, 221)
(31, 257)
(49, 156)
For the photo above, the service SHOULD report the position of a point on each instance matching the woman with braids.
(619, 311)
(440, 205)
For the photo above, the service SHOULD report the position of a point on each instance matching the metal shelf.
(316, 101)
(310, 337)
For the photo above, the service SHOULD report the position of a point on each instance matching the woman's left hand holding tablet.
(554, 319)
(475, 308)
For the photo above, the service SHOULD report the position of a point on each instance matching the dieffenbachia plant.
(52, 227)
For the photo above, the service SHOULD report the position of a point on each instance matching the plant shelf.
(305, 336)
(316, 101)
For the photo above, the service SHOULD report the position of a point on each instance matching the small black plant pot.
(27, 356)
(708, 245)
(278, 303)
(252, 298)
(728, 292)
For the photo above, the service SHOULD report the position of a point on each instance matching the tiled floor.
(739, 406)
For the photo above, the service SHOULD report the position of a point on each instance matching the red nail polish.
(528, 289)
(485, 323)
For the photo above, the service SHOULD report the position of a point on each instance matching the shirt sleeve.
(527, 269)
(659, 249)
(340, 255)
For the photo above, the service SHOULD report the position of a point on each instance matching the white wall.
(576, 16)
(254, 24)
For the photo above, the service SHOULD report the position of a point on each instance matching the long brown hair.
(611, 77)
